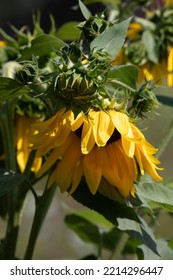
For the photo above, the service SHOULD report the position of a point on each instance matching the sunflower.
(2, 44)
(152, 72)
(103, 144)
(23, 128)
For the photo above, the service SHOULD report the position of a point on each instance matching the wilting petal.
(170, 68)
(92, 170)
(63, 173)
(87, 141)
(103, 128)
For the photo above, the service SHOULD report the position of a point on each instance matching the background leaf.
(9, 180)
(10, 88)
(126, 74)
(68, 31)
(155, 192)
(112, 39)
(86, 230)
(41, 46)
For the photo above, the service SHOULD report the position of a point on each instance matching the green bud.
(94, 26)
(144, 100)
(75, 88)
(136, 53)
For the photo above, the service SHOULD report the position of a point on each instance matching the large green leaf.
(112, 39)
(155, 192)
(140, 232)
(165, 252)
(10, 88)
(86, 230)
(68, 31)
(41, 46)
(91, 233)
(125, 75)
(117, 213)
(9, 180)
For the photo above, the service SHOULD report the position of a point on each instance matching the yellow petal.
(75, 124)
(55, 155)
(63, 173)
(120, 121)
(77, 176)
(170, 68)
(103, 128)
(92, 170)
(87, 141)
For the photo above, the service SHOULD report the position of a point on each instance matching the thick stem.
(41, 210)
(116, 254)
(7, 114)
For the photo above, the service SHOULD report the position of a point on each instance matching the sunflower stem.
(116, 254)
(7, 122)
(42, 207)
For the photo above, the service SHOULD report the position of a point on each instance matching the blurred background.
(19, 12)
(56, 241)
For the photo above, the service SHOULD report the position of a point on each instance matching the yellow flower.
(2, 44)
(168, 2)
(23, 131)
(100, 145)
(170, 68)
(152, 72)
(134, 29)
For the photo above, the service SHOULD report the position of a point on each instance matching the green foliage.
(41, 46)
(125, 75)
(9, 180)
(68, 31)
(9, 88)
(112, 39)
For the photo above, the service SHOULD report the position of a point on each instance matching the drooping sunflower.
(103, 144)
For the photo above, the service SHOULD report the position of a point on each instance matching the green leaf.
(9, 180)
(110, 209)
(68, 31)
(86, 230)
(10, 88)
(150, 46)
(41, 46)
(119, 214)
(94, 217)
(155, 192)
(140, 232)
(86, 13)
(165, 252)
(126, 74)
(112, 39)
